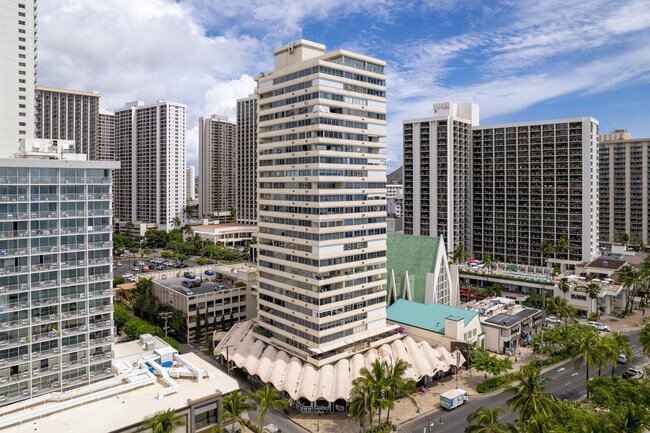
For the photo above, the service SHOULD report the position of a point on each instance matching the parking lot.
(207, 286)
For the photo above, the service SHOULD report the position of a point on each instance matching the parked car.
(170, 264)
(191, 275)
(209, 273)
(271, 428)
(188, 283)
(220, 287)
(139, 263)
(599, 326)
(160, 267)
(182, 265)
(145, 269)
(633, 373)
(552, 321)
(118, 264)
(622, 359)
(135, 268)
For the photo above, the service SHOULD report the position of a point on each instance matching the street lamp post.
(457, 366)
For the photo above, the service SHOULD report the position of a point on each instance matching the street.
(565, 382)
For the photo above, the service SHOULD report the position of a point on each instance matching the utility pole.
(457, 366)
(166, 316)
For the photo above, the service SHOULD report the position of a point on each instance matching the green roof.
(415, 254)
(427, 316)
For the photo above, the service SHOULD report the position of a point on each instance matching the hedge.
(554, 359)
(495, 382)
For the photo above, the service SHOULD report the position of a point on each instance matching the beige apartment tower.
(246, 160)
(322, 202)
(535, 182)
(624, 186)
(437, 174)
(150, 144)
(104, 149)
(217, 186)
(17, 74)
(68, 115)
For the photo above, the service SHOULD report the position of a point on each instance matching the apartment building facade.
(190, 183)
(437, 173)
(151, 146)
(104, 149)
(624, 184)
(536, 181)
(322, 202)
(246, 160)
(18, 74)
(56, 301)
(68, 115)
(217, 187)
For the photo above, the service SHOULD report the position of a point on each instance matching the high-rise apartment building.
(56, 300)
(437, 173)
(624, 186)
(322, 202)
(246, 160)
(104, 148)
(535, 182)
(68, 115)
(17, 74)
(190, 185)
(150, 144)
(217, 167)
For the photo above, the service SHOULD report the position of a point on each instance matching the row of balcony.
(53, 197)
(24, 180)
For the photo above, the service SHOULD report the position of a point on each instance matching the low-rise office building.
(228, 235)
(436, 323)
(232, 294)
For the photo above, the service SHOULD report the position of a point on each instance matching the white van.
(270, 428)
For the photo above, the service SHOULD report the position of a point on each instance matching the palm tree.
(539, 424)
(547, 248)
(631, 279)
(370, 388)
(129, 228)
(164, 421)
(564, 286)
(488, 262)
(459, 255)
(630, 418)
(563, 245)
(593, 290)
(624, 238)
(398, 385)
(621, 345)
(486, 420)
(587, 352)
(530, 396)
(268, 398)
(234, 405)
(176, 222)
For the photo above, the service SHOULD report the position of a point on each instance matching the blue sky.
(519, 60)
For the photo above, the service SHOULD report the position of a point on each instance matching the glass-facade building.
(56, 299)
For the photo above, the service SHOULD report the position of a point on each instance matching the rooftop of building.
(427, 316)
(224, 226)
(510, 319)
(537, 122)
(607, 263)
(121, 401)
(92, 93)
(420, 260)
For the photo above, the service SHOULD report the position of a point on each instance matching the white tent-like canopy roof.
(333, 381)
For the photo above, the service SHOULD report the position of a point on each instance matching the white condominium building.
(68, 115)
(17, 74)
(56, 298)
(322, 202)
(246, 160)
(437, 173)
(150, 143)
(535, 182)
(217, 187)
(624, 187)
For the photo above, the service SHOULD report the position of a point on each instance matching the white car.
(599, 326)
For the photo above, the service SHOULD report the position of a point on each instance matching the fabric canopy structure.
(333, 381)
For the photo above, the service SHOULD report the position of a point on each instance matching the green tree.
(588, 352)
(539, 423)
(620, 344)
(398, 386)
(156, 238)
(624, 238)
(176, 222)
(459, 255)
(371, 387)
(147, 251)
(486, 420)
(268, 398)
(547, 248)
(164, 421)
(181, 258)
(593, 290)
(644, 338)
(234, 405)
(484, 361)
(201, 261)
(129, 229)
(488, 262)
(563, 245)
(120, 316)
(629, 418)
(118, 280)
(198, 331)
(564, 286)
(530, 396)
(222, 322)
(493, 290)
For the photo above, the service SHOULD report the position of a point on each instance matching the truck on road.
(453, 398)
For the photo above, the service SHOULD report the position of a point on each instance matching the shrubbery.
(495, 382)
(541, 363)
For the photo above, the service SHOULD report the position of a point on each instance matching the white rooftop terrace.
(117, 410)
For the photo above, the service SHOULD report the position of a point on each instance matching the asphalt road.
(564, 382)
